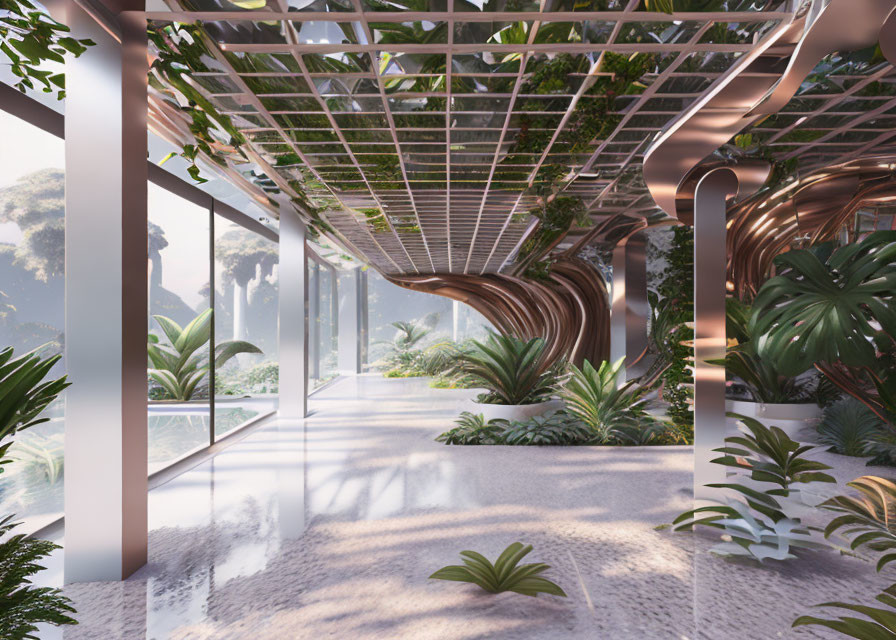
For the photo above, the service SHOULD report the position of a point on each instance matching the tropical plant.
(835, 309)
(22, 394)
(556, 429)
(473, 429)
(869, 517)
(880, 626)
(594, 397)
(23, 606)
(761, 377)
(756, 528)
(180, 366)
(849, 427)
(514, 371)
(757, 525)
(769, 455)
(822, 304)
(506, 574)
(30, 39)
(42, 453)
(671, 335)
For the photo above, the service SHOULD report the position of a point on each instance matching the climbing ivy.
(181, 51)
(30, 38)
(672, 309)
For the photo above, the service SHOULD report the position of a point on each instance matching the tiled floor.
(329, 529)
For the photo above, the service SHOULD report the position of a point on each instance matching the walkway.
(329, 530)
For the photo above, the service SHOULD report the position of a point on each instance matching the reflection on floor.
(330, 529)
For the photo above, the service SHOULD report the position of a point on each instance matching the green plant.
(849, 427)
(821, 306)
(881, 626)
(594, 397)
(22, 394)
(555, 429)
(30, 39)
(182, 49)
(473, 429)
(513, 370)
(672, 311)
(507, 574)
(757, 525)
(769, 455)
(869, 518)
(42, 453)
(22, 606)
(180, 366)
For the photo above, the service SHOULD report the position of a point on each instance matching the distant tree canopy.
(240, 250)
(36, 203)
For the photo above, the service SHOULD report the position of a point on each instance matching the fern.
(849, 427)
(22, 606)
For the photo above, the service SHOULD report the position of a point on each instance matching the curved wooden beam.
(569, 309)
(813, 209)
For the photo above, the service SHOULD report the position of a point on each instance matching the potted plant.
(518, 381)
(835, 310)
(785, 401)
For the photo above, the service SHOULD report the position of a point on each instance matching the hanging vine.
(30, 39)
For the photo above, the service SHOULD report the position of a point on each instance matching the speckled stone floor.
(329, 529)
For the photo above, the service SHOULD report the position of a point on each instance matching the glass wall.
(178, 304)
(246, 313)
(437, 317)
(322, 322)
(32, 308)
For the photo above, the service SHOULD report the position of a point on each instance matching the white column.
(617, 309)
(350, 322)
(106, 303)
(455, 320)
(293, 325)
(709, 325)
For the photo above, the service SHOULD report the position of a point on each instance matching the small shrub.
(557, 429)
(505, 575)
(473, 429)
(849, 427)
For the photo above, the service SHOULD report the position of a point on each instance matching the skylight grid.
(424, 139)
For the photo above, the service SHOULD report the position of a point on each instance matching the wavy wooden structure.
(813, 210)
(569, 309)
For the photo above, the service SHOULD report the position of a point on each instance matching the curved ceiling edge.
(763, 82)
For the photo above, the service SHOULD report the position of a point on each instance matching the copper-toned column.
(106, 302)
(709, 325)
(637, 309)
(617, 307)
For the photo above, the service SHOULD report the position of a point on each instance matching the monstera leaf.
(824, 305)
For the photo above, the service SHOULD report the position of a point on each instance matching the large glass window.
(322, 319)
(32, 309)
(436, 319)
(246, 314)
(178, 303)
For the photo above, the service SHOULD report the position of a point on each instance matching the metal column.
(106, 302)
(617, 308)
(709, 325)
(293, 326)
